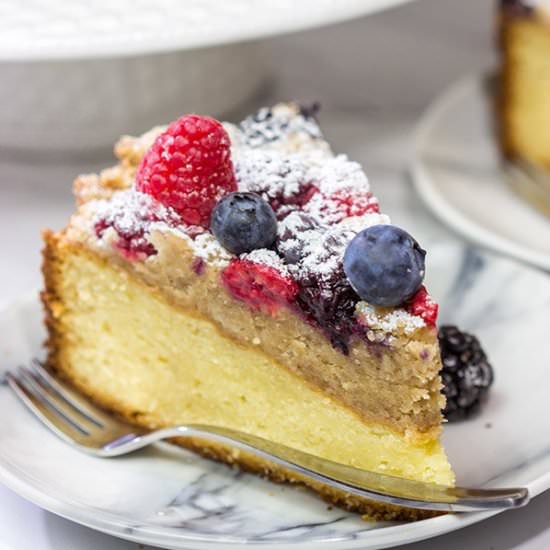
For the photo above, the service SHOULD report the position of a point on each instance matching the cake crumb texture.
(157, 379)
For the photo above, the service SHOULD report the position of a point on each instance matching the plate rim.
(437, 203)
(68, 49)
(118, 526)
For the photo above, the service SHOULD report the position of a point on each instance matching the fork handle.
(371, 485)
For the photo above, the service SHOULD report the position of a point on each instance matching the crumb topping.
(321, 202)
(387, 321)
(207, 247)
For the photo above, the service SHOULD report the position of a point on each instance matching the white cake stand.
(77, 74)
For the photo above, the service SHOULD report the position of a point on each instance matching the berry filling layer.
(299, 226)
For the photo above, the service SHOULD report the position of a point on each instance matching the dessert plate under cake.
(458, 171)
(171, 498)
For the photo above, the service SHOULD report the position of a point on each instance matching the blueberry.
(384, 265)
(243, 222)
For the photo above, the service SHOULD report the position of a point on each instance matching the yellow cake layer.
(125, 345)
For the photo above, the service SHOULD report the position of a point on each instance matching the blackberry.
(467, 375)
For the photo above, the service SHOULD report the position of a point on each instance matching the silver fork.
(84, 426)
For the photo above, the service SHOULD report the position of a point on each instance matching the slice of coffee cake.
(243, 276)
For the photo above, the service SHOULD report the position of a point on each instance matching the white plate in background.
(458, 172)
(68, 29)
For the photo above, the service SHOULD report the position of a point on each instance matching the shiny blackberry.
(467, 375)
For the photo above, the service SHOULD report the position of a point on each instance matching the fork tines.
(56, 405)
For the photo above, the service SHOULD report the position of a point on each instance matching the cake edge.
(505, 81)
(228, 455)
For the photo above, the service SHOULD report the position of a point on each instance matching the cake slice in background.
(243, 276)
(525, 80)
(523, 98)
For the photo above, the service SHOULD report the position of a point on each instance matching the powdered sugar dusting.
(323, 256)
(131, 211)
(207, 247)
(285, 121)
(312, 249)
(271, 173)
(339, 174)
(387, 321)
(266, 257)
(235, 137)
(344, 191)
(125, 222)
(358, 223)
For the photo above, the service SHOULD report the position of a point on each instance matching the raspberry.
(189, 168)
(422, 305)
(262, 287)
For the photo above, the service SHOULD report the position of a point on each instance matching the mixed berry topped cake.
(244, 276)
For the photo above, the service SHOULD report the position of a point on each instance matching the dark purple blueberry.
(467, 375)
(243, 222)
(384, 265)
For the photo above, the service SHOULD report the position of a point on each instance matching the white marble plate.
(65, 29)
(168, 497)
(458, 172)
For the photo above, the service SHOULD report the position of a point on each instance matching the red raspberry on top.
(261, 286)
(422, 305)
(189, 168)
